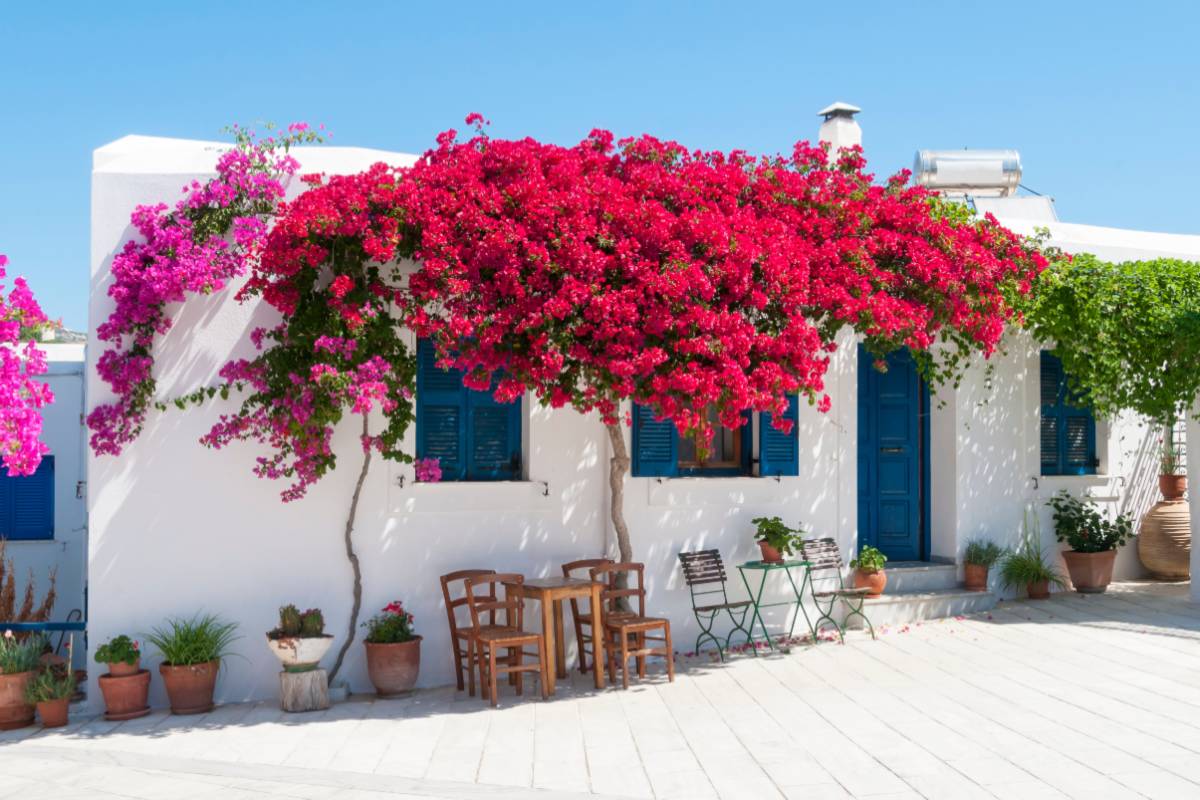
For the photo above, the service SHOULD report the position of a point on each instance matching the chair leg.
(541, 654)
(624, 660)
(612, 659)
(472, 659)
(518, 661)
(858, 611)
(458, 660)
(582, 641)
(670, 653)
(492, 674)
(640, 640)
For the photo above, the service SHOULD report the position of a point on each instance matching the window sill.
(467, 496)
(735, 490)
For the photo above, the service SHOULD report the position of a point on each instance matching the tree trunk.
(352, 557)
(618, 467)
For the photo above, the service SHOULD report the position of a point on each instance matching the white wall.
(178, 529)
(63, 433)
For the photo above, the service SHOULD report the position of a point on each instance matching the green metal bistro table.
(764, 568)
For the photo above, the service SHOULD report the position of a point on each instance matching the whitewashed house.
(177, 529)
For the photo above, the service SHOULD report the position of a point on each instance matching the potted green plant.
(50, 691)
(299, 641)
(1172, 479)
(192, 650)
(19, 661)
(126, 685)
(1027, 566)
(776, 540)
(393, 650)
(979, 557)
(1093, 540)
(868, 570)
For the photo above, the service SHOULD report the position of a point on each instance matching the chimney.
(839, 128)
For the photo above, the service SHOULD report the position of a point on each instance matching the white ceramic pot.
(298, 653)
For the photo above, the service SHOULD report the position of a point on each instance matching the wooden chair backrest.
(611, 594)
(455, 603)
(489, 602)
(822, 554)
(571, 567)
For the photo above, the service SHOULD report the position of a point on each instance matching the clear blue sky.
(1100, 98)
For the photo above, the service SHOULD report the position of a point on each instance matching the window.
(660, 451)
(1068, 436)
(27, 503)
(474, 437)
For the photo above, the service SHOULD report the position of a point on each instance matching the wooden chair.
(460, 637)
(824, 555)
(704, 574)
(622, 626)
(583, 618)
(488, 639)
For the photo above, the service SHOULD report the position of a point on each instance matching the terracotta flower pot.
(53, 712)
(14, 711)
(769, 554)
(393, 668)
(119, 669)
(975, 577)
(875, 581)
(125, 695)
(1091, 573)
(190, 686)
(1172, 486)
(1038, 590)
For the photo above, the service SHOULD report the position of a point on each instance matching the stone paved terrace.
(1088, 697)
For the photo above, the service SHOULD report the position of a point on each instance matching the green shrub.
(118, 650)
(1027, 564)
(983, 553)
(20, 656)
(870, 559)
(193, 641)
(1085, 530)
(50, 684)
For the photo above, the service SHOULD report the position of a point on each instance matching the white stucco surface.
(178, 529)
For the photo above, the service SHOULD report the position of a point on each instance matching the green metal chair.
(705, 569)
(824, 555)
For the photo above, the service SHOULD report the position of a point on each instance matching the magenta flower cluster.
(21, 396)
(428, 470)
(209, 237)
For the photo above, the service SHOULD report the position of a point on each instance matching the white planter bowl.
(298, 653)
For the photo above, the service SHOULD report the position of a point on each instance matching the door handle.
(891, 449)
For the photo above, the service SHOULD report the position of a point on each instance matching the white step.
(920, 576)
(896, 608)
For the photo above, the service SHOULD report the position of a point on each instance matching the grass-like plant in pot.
(299, 641)
(393, 650)
(1092, 537)
(19, 662)
(775, 539)
(1027, 565)
(50, 691)
(192, 650)
(868, 570)
(126, 686)
(979, 557)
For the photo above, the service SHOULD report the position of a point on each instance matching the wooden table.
(550, 592)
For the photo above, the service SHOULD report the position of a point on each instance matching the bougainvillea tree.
(22, 396)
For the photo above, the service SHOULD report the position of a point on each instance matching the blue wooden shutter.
(28, 503)
(1068, 432)
(494, 434)
(778, 452)
(441, 414)
(655, 445)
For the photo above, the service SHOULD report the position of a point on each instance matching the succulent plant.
(289, 620)
(312, 623)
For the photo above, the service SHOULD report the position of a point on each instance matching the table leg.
(548, 639)
(560, 641)
(757, 616)
(599, 662)
(800, 603)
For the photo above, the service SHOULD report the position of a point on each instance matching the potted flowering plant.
(127, 685)
(192, 651)
(300, 640)
(19, 661)
(1093, 540)
(50, 691)
(776, 540)
(868, 570)
(393, 650)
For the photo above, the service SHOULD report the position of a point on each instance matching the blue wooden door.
(892, 456)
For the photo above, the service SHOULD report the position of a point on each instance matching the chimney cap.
(838, 109)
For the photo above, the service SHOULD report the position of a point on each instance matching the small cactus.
(312, 623)
(289, 621)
